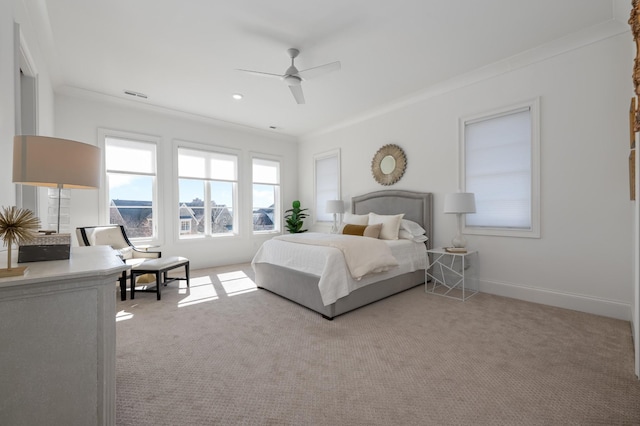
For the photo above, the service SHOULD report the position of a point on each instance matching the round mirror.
(388, 164)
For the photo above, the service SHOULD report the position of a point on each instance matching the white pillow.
(412, 227)
(403, 234)
(390, 225)
(356, 219)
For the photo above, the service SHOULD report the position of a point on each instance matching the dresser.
(58, 340)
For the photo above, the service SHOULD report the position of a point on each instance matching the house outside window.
(327, 183)
(207, 190)
(266, 195)
(500, 154)
(130, 166)
(185, 226)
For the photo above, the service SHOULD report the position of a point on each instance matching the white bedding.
(362, 255)
(329, 264)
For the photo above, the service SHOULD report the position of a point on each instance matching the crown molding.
(578, 40)
(76, 92)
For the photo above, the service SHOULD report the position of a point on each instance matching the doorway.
(26, 114)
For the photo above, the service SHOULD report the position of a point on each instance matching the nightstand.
(452, 275)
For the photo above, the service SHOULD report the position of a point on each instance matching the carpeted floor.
(223, 353)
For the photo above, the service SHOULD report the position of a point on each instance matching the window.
(130, 167)
(185, 226)
(327, 183)
(207, 183)
(501, 167)
(266, 195)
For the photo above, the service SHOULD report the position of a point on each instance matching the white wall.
(78, 117)
(583, 260)
(7, 106)
(12, 12)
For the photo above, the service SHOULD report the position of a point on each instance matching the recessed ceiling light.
(237, 96)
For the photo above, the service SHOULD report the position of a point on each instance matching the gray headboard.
(416, 206)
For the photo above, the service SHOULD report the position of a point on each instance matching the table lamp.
(459, 203)
(336, 207)
(57, 163)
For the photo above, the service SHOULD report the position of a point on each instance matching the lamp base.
(334, 228)
(459, 241)
(13, 272)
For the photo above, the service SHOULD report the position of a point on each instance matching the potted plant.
(294, 218)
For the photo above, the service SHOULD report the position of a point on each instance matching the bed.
(303, 287)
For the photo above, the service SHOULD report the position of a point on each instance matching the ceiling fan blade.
(262, 74)
(318, 71)
(296, 91)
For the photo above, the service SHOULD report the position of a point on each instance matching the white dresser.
(58, 341)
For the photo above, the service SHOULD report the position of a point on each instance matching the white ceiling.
(184, 54)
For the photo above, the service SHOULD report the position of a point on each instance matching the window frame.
(318, 208)
(534, 107)
(157, 196)
(237, 203)
(278, 218)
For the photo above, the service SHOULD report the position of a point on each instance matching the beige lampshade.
(460, 202)
(54, 162)
(335, 206)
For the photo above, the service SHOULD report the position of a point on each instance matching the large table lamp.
(55, 163)
(459, 203)
(336, 207)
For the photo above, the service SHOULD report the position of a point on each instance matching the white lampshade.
(460, 202)
(335, 206)
(54, 162)
(57, 163)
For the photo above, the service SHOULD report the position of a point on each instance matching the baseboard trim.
(576, 302)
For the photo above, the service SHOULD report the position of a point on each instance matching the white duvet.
(362, 255)
(329, 263)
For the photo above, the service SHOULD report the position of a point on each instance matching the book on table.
(455, 249)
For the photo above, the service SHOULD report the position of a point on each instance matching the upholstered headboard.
(416, 206)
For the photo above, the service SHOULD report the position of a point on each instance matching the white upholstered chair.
(116, 237)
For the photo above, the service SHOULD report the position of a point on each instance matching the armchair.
(116, 237)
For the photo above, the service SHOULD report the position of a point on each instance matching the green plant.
(294, 218)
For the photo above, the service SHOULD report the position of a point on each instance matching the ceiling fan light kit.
(294, 78)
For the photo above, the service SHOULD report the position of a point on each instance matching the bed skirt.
(303, 289)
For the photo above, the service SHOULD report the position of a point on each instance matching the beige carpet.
(221, 354)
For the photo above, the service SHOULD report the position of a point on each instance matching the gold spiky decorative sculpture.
(16, 226)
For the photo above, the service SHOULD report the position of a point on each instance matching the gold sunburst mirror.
(389, 164)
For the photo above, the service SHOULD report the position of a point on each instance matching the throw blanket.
(362, 255)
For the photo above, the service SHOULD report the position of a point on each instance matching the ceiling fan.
(293, 78)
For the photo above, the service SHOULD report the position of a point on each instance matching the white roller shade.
(127, 156)
(194, 164)
(498, 170)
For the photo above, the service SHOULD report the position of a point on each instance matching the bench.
(159, 267)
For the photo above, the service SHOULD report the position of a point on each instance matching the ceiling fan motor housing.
(292, 80)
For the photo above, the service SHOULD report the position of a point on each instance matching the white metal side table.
(452, 275)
